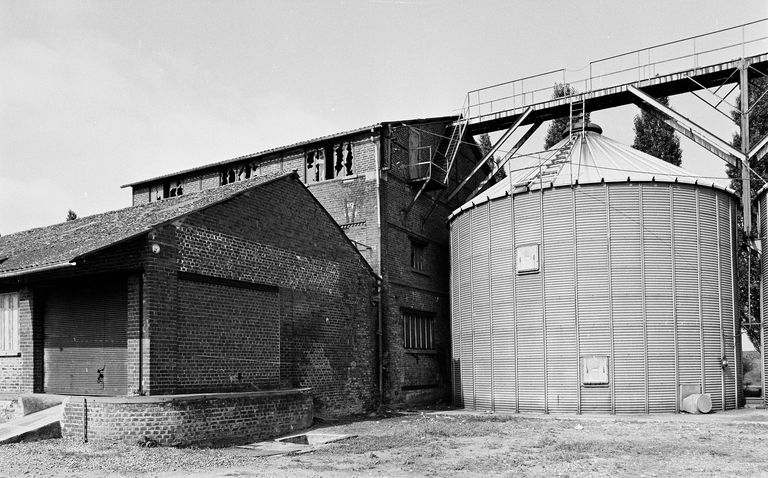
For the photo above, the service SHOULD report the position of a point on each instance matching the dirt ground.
(446, 444)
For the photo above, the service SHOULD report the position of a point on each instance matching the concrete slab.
(34, 402)
(35, 426)
(295, 444)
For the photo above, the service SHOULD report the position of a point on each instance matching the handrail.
(701, 35)
(515, 80)
(509, 96)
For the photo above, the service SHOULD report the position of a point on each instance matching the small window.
(594, 370)
(9, 324)
(418, 329)
(418, 252)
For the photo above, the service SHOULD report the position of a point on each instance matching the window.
(594, 370)
(330, 161)
(9, 324)
(237, 172)
(418, 250)
(171, 189)
(418, 329)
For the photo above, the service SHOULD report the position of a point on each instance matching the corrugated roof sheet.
(588, 158)
(62, 243)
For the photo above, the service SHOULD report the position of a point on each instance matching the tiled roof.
(287, 147)
(62, 243)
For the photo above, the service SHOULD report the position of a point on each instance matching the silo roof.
(586, 158)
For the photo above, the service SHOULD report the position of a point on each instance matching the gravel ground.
(445, 444)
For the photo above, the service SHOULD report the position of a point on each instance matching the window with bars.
(418, 252)
(9, 324)
(418, 329)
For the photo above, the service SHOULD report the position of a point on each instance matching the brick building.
(386, 186)
(245, 288)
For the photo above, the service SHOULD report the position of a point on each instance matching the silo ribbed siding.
(763, 206)
(639, 273)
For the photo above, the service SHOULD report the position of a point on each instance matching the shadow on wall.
(753, 377)
(456, 383)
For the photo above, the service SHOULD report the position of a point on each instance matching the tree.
(747, 259)
(558, 126)
(484, 141)
(657, 138)
(71, 215)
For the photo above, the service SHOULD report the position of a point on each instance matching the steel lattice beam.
(708, 140)
(489, 154)
(506, 159)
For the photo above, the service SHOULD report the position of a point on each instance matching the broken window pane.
(348, 161)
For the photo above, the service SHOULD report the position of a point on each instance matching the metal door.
(85, 345)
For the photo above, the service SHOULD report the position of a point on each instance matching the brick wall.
(232, 338)
(352, 202)
(228, 339)
(418, 376)
(329, 345)
(17, 371)
(160, 294)
(188, 420)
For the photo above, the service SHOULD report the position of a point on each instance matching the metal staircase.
(457, 135)
(550, 170)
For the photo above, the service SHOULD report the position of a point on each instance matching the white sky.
(97, 94)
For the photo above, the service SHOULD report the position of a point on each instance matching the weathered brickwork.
(370, 205)
(326, 338)
(188, 420)
(329, 346)
(17, 371)
(241, 259)
(418, 375)
(161, 306)
(228, 339)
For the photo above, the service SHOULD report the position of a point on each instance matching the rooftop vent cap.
(593, 127)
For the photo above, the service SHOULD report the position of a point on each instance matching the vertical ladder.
(577, 116)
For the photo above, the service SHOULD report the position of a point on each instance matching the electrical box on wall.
(594, 370)
(527, 258)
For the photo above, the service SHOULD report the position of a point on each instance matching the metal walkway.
(703, 62)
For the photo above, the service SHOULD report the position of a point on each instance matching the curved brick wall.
(189, 419)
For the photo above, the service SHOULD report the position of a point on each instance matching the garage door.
(85, 339)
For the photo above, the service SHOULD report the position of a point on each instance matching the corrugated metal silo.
(762, 206)
(594, 279)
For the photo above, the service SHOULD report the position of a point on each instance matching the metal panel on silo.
(455, 317)
(481, 310)
(685, 241)
(559, 293)
(727, 250)
(594, 292)
(659, 302)
(529, 306)
(710, 297)
(503, 305)
(763, 208)
(465, 311)
(628, 300)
